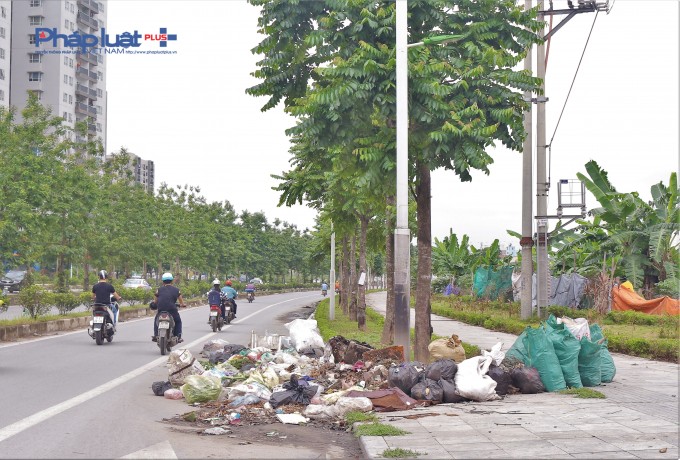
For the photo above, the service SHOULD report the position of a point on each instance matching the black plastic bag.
(502, 377)
(441, 369)
(159, 388)
(153, 305)
(449, 391)
(296, 392)
(232, 349)
(528, 380)
(406, 375)
(428, 390)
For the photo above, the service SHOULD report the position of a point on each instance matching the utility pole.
(527, 240)
(542, 185)
(331, 311)
(402, 236)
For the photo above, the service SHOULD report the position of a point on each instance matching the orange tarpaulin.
(625, 299)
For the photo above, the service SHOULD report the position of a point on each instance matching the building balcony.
(92, 111)
(82, 90)
(92, 76)
(81, 108)
(92, 128)
(88, 21)
(89, 4)
(82, 72)
(88, 58)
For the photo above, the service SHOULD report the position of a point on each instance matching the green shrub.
(439, 284)
(661, 349)
(561, 310)
(64, 301)
(378, 429)
(398, 452)
(583, 393)
(34, 301)
(4, 302)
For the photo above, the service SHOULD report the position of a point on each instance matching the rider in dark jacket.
(166, 298)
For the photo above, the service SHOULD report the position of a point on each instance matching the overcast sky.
(189, 112)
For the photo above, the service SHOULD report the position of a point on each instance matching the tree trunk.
(423, 326)
(344, 284)
(353, 278)
(86, 269)
(388, 326)
(361, 303)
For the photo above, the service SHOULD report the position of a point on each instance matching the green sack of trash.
(201, 388)
(517, 351)
(567, 348)
(541, 355)
(608, 368)
(590, 362)
(552, 323)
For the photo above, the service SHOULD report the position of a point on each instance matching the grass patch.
(353, 417)
(399, 453)
(378, 429)
(583, 393)
(347, 328)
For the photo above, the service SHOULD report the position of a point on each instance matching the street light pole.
(402, 238)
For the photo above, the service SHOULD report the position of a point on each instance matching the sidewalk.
(639, 418)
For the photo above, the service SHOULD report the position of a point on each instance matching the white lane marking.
(32, 420)
(161, 450)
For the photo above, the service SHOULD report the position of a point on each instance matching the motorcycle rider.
(231, 294)
(250, 287)
(324, 287)
(217, 297)
(101, 294)
(166, 296)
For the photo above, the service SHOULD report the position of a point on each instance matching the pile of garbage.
(298, 378)
(566, 352)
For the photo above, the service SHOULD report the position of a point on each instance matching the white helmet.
(102, 274)
(216, 282)
(167, 276)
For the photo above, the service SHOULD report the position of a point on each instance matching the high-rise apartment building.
(5, 54)
(72, 84)
(143, 171)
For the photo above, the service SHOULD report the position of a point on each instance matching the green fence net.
(491, 284)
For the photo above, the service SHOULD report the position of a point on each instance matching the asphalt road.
(65, 397)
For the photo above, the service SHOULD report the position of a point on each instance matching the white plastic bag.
(473, 383)
(305, 334)
(578, 327)
(320, 412)
(346, 404)
(212, 346)
(181, 364)
(253, 388)
(496, 354)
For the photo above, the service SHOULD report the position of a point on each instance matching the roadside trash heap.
(299, 378)
(566, 352)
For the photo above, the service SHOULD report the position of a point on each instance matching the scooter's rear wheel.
(163, 343)
(98, 337)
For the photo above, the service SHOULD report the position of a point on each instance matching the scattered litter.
(217, 431)
(292, 419)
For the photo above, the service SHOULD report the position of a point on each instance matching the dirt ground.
(311, 441)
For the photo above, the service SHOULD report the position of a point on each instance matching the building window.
(100, 76)
(101, 7)
(66, 5)
(65, 97)
(66, 79)
(34, 58)
(35, 20)
(65, 60)
(37, 94)
(99, 127)
(66, 24)
(31, 39)
(2, 32)
(2, 53)
(70, 117)
(99, 109)
(35, 76)
(70, 62)
(2, 74)
(70, 81)
(3, 12)
(35, 3)
(2, 94)
(72, 9)
(65, 117)
(100, 93)
(70, 99)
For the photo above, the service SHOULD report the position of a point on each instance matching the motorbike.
(229, 310)
(251, 297)
(101, 325)
(166, 326)
(216, 320)
(324, 292)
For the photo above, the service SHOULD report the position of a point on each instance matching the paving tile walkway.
(639, 418)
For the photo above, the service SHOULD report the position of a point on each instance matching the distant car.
(13, 280)
(136, 283)
(256, 281)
